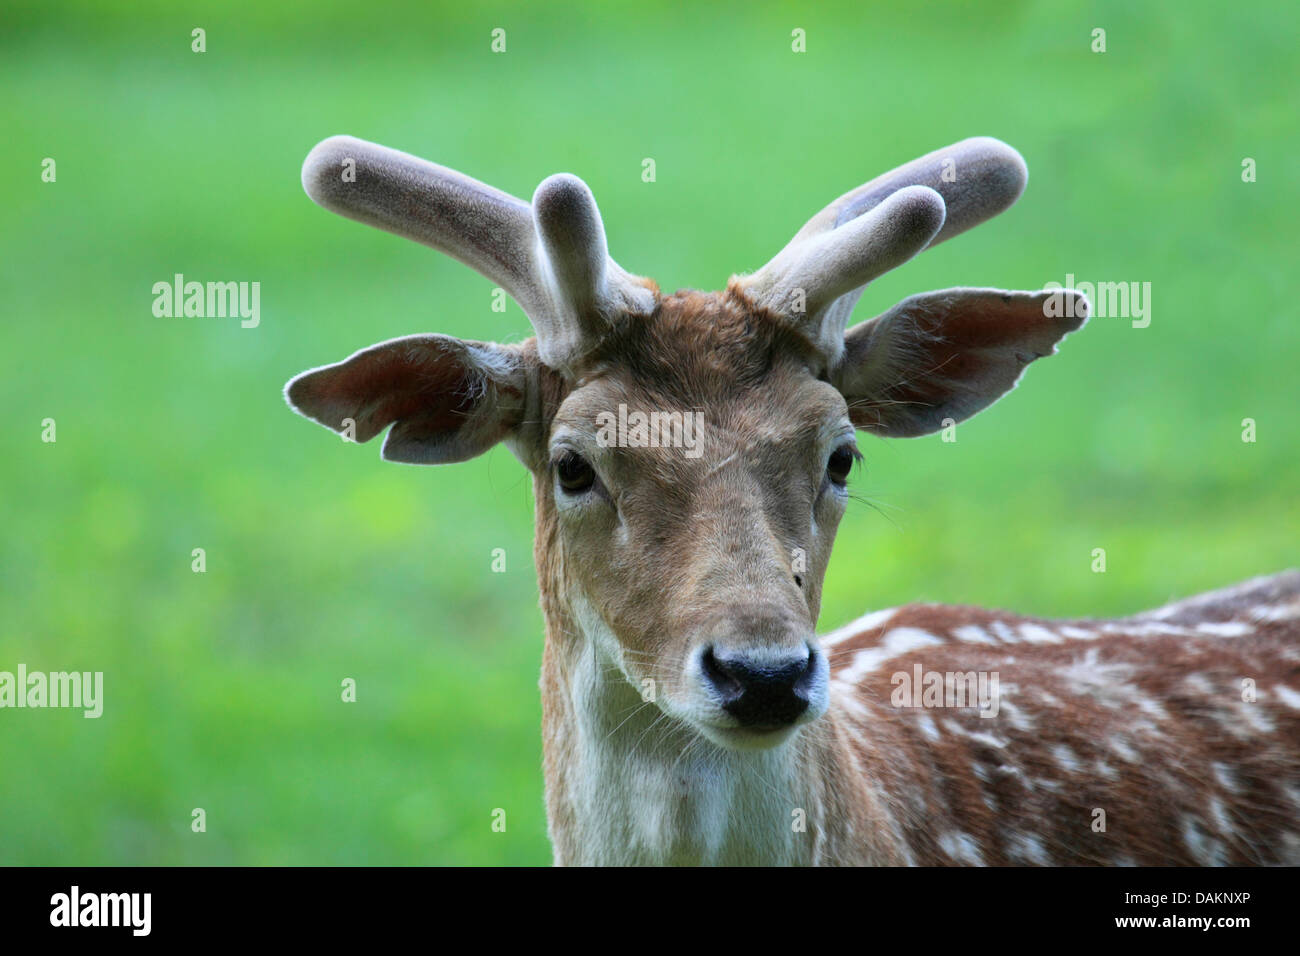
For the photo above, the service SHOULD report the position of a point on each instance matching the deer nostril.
(761, 691)
(726, 686)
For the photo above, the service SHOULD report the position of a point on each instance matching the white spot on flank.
(1225, 777)
(1107, 681)
(1220, 816)
(1123, 750)
(896, 643)
(1288, 696)
(1027, 848)
(1017, 717)
(1153, 708)
(863, 625)
(1007, 771)
(928, 728)
(1275, 612)
(1065, 757)
(1004, 632)
(1128, 629)
(1226, 629)
(1207, 852)
(1199, 685)
(962, 848)
(974, 634)
(1037, 634)
(1258, 720)
(987, 740)
(977, 737)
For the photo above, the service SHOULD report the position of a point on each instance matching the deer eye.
(574, 474)
(840, 463)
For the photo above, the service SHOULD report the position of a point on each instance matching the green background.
(223, 688)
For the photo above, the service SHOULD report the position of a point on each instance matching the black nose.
(765, 694)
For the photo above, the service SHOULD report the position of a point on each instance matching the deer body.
(690, 714)
(1143, 718)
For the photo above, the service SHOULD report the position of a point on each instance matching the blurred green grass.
(222, 689)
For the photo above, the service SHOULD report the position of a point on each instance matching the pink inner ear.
(946, 355)
(996, 321)
(927, 387)
(420, 384)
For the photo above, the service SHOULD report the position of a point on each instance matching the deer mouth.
(751, 738)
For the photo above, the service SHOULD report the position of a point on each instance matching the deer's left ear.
(447, 399)
(946, 355)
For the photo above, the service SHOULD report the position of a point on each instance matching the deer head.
(690, 452)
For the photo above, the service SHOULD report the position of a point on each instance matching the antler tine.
(588, 289)
(807, 278)
(839, 250)
(977, 178)
(551, 258)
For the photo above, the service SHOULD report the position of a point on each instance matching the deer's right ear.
(447, 399)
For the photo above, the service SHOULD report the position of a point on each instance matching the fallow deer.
(690, 713)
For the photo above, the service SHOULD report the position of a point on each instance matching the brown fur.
(1163, 741)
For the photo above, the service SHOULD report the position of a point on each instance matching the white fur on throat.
(649, 789)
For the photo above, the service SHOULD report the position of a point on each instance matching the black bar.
(926, 907)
